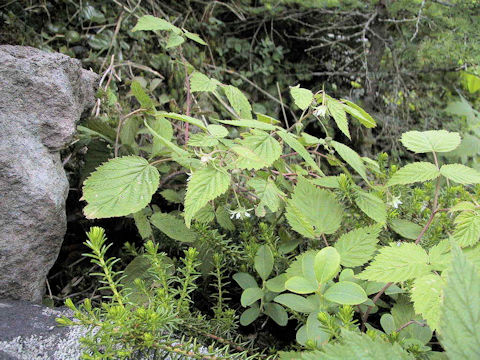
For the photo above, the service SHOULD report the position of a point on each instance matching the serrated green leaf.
(327, 181)
(460, 318)
(254, 124)
(337, 111)
(460, 174)
(358, 113)
(149, 22)
(467, 228)
(140, 94)
(173, 227)
(311, 208)
(249, 315)
(176, 149)
(223, 218)
(173, 196)
(326, 264)
(174, 40)
(430, 141)
(414, 172)
(164, 128)
(238, 101)
(247, 158)
(201, 82)
(206, 214)
(204, 185)
(184, 118)
(357, 246)
(143, 224)
(202, 140)
(119, 187)
(295, 302)
(245, 280)
(264, 145)
(295, 145)
(346, 293)
(277, 313)
(217, 131)
(268, 193)
(427, 294)
(263, 261)
(371, 205)
(403, 312)
(194, 37)
(351, 158)
(250, 295)
(397, 263)
(407, 229)
(302, 97)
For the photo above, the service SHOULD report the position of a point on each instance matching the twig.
(281, 103)
(417, 25)
(410, 323)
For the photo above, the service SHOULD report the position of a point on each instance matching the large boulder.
(43, 95)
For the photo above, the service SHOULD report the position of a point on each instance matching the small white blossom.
(206, 158)
(396, 202)
(320, 111)
(240, 213)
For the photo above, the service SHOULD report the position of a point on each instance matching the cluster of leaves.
(350, 239)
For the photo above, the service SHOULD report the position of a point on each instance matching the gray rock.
(42, 96)
(29, 331)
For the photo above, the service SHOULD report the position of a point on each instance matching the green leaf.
(313, 210)
(217, 131)
(149, 22)
(358, 113)
(173, 227)
(277, 313)
(201, 82)
(250, 295)
(414, 172)
(223, 218)
(245, 280)
(177, 150)
(264, 145)
(397, 263)
(174, 40)
(194, 37)
(301, 285)
(460, 174)
(268, 193)
(295, 302)
(263, 261)
(176, 197)
(202, 140)
(327, 264)
(254, 124)
(184, 118)
(357, 246)
(247, 158)
(327, 181)
(371, 205)
(427, 297)
(162, 127)
(302, 97)
(204, 185)
(460, 319)
(430, 141)
(142, 224)
(337, 111)
(249, 315)
(403, 312)
(238, 101)
(354, 346)
(351, 158)
(119, 187)
(137, 91)
(346, 293)
(407, 229)
(467, 229)
(277, 284)
(296, 146)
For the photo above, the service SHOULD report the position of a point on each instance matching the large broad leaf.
(327, 264)
(119, 187)
(467, 229)
(371, 205)
(245, 280)
(407, 229)
(430, 141)
(143, 224)
(354, 346)
(204, 185)
(346, 293)
(460, 319)
(337, 111)
(264, 145)
(302, 97)
(250, 295)
(263, 261)
(295, 302)
(249, 315)
(149, 22)
(268, 193)
(295, 145)
(414, 172)
(358, 113)
(351, 158)
(173, 227)
(403, 312)
(311, 208)
(301, 285)
(397, 263)
(140, 95)
(357, 246)
(460, 174)
(277, 313)
(247, 158)
(238, 101)
(174, 40)
(427, 294)
(201, 82)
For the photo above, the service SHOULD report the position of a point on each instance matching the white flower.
(240, 213)
(206, 158)
(320, 111)
(396, 202)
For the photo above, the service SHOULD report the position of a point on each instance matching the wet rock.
(42, 96)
